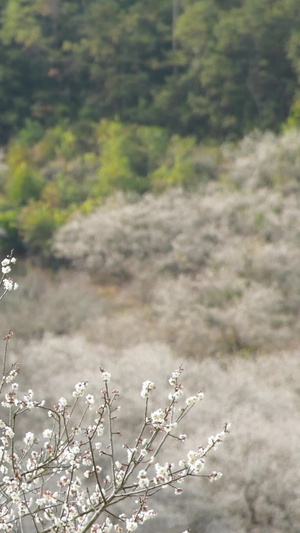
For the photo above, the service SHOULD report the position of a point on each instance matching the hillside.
(208, 277)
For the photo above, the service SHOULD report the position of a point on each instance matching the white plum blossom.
(107, 526)
(215, 441)
(80, 388)
(158, 418)
(194, 399)
(131, 525)
(100, 429)
(176, 394)
(90, 400)
(29, 438)
(62, 404)
(9, 432)
(215, 476)
(147, 515)
(47, 433)
(176, 373)
(195, 461)
(9, 284)
(143, 452)
(143, 480)
(163, 473)
(130, 453)
(146, 388)
(174, 377)
(106, 376)
(28, 399)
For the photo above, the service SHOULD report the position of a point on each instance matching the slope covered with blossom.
(209, 278)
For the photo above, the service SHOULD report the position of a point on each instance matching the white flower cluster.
(158, 418)
(90, 400)
(174, 377)
(106, 376)
(194, 399)
(146, 388)
(6, 264)
(163, 474)
(12, 374)
(80, 388)
(194, 463)
(215, 441)
(143, 480)
(215, 476)
(47, 433)
(176, 395)
(11, 399)
(29, 438)
(7, 282)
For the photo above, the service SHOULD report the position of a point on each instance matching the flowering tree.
(75, 475)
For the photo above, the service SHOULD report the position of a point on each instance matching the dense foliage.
(106, 95)
(50, 175)
(202, 67)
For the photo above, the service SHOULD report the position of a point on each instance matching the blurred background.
(150, 187)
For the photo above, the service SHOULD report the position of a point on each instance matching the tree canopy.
(106, 95)
(210, 68)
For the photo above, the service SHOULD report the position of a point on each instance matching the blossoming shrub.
(215, 270)
(266, 160)
(75, 474)
(58, 303)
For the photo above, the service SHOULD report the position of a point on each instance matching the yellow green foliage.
(24, 184)
(36, 223)
(17, 154)
(64, 169)
(57, 142)
(293, 120)
(179, 167)
(114, 171)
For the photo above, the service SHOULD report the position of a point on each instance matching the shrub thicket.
(215, 268)
(48, 178)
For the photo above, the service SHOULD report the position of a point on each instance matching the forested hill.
(208, 68)
(99, 96)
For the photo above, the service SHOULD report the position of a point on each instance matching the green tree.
(26, 183)
(123, 52)
(128, 156)
(237, 75)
